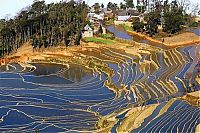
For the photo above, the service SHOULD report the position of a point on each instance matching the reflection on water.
(57, 98)
(118, 33)
(194, 30)
(122, 34)
(57, 74)
(47, 69)
(76, 73)
(48, 98)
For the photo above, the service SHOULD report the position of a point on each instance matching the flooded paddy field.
(102, 89)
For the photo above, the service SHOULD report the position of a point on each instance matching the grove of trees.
(45, 25)
(171, 15)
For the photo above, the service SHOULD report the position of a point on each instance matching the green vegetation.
(110, 21)
(97, 8)
(123, 5)
(98, 40)
(137, 25)
(112, 6)
(107, 36)
(153, 20)
(173, 16)
(100, 30)
(2, 23)
(141, 8)
(45, 25)
(129, 3)
(126, 27)
(193, 24)
(170, 15)
(190, 21)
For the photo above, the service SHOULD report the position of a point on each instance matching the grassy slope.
(126, 27)
(98, 40)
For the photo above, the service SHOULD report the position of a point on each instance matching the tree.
(153, 20)
(96, 8)
(102, 5)
(137, 25)
(195, 9)
(2, 23)
(184, 4)
(44, 25)
(109, 5)
(140, 8)
(129, 3)
(78, 38)
(100, 29)
(122, 6)
(173, 18)
(112, 6)
(38, 7)
(172, 15)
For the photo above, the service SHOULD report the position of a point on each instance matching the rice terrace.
(64, 70)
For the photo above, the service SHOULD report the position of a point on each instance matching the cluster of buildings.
(119, 16)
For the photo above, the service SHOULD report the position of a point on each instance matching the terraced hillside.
(101, 89)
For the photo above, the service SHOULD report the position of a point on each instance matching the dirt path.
(183, 39)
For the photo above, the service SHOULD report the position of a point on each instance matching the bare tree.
(195, 8)
(185, 4)
(188, 7)
(7, 17)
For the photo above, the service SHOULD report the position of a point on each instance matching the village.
(123, 15)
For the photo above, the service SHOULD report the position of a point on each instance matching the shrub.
(107, 36)
(98, 40)
(138, 26)
(193, 24)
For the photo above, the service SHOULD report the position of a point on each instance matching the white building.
(123, 18)
(87, 31)
(93, 17)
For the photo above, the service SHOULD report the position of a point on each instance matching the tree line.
(45, 25)
(114, 6)
(171, 15)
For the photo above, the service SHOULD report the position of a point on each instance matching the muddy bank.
(184, 39)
